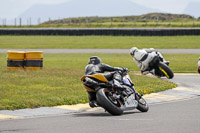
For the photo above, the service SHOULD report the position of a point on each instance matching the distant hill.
(164, 16)
(193, 9)
(83, 8)
(149, 16)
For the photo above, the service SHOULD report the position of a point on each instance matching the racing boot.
(145, 72)
(92, 99)
(166, 62)
(152, 71)
(93, 103)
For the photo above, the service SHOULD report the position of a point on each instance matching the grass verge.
(59, 81)
(101, 42)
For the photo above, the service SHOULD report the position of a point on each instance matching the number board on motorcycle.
(131, 102)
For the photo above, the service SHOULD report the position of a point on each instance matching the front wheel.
(165, 70)
(142, 105)
(106, 100)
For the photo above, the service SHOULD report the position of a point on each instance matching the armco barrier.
(104, 31)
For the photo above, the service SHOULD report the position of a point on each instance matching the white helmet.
(132, 50)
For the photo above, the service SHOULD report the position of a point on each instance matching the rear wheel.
(165, 70)
(110, 104)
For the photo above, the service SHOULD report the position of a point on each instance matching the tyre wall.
(112, 32)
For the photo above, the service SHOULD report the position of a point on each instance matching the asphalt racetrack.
(174, 117)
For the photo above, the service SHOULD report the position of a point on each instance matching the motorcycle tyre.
(169, 74)
(142, 107)
(107, 104)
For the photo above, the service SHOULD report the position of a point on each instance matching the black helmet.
(94, 60)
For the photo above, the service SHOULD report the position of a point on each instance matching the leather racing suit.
(142, 57)
(112, 74)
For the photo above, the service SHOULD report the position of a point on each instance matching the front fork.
(134, 90)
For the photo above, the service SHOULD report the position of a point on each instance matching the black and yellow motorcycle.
(161, 69)
(115, 101)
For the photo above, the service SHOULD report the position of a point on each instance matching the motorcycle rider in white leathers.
(142, 57)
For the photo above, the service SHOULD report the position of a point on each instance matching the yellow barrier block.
(15, 60)
(32, 68)
(14, 68)
(34, 55)
(15, 55)
(34, 60)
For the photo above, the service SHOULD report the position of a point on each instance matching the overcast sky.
(12, 8)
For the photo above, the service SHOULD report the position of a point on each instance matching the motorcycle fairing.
(98, 76)
(130, 103)
(88, 88)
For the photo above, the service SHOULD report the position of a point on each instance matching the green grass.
(59, 81)
(98, 42)
(148, 24)
(183, 63)
(118, 24)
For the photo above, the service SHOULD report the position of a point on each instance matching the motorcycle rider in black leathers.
(94, 66)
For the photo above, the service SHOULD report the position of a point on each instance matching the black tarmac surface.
(175, 117)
